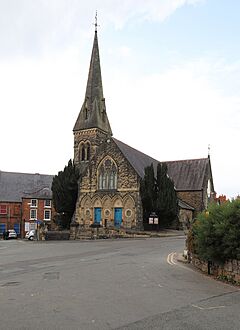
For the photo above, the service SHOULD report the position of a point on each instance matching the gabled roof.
(14, 186)
(136, 158)
(187, 174)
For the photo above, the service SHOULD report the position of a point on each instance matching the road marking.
(170, 259)
(208, 308)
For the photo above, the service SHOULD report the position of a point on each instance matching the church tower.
(108, 189)
(92, 123)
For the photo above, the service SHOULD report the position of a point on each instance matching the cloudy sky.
(171, 78)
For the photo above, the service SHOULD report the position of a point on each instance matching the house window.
(107, 175)
(33, 214)
(33, 203)
(3, 209)
(47, 215)
(47, 203)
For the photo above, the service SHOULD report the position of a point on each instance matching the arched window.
(107, 175)
(87, 151)
(84, 152)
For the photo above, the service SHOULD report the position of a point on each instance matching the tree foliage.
(65, 192)
(158, 195)
(216, 233)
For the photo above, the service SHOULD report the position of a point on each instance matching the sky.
(171, 80)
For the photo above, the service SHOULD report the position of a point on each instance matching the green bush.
(216, 233)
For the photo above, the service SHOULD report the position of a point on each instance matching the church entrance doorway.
(97, 215)
(117, 217)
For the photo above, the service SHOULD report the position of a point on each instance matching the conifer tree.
(65, 192)
(167, 202)
(148, 192)
(158, 195)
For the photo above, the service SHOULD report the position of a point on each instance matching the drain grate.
(51, 276)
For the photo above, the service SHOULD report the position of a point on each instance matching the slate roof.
(184, 205)
(187, 174)
(14, 186)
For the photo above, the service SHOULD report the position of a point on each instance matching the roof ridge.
(26, 173)
(136, 150)
(182, 160)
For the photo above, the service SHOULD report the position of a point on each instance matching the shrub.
(216, 233)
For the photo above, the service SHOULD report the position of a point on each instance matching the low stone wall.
(230, 270)
(77, 232)
(57, 235)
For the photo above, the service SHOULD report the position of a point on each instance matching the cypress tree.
(167, 202)
(148, 192)
(158, 195)
(65, 192)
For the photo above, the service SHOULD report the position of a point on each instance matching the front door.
(117, 217)
(97, 215)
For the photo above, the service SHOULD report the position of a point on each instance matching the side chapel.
(109, 191)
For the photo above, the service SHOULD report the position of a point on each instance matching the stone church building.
(111, 170)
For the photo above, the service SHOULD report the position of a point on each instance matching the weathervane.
(96, 24)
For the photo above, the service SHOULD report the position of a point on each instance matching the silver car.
(11, 234)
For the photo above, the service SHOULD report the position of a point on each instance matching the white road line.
(170, 259)
(208, 308)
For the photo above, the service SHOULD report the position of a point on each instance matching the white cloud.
(176, 114)
(173, 114)
(37, 26)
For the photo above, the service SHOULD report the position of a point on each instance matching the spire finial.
(209, 150)
(96, 24)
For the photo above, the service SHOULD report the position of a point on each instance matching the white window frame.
(50, 203)
(33, 218)
(47, 219)
(32, 205)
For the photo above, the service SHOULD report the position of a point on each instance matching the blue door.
(117, 217)
(16, 227)
(97, 214)
(2, 227)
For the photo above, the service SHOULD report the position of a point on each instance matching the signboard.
(27, 226)
(150, 221)
(153, 219)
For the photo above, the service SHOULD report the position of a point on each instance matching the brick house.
(111, 170)
(24, 199)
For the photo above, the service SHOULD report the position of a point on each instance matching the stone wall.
(230, 270)
(126, 196)
(193, 198)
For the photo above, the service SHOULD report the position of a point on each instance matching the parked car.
(11, 234)
(30, 234)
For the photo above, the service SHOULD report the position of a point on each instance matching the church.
(109, 190)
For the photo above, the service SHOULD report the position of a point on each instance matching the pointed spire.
(93, 112)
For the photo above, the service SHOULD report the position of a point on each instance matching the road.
(109, 284)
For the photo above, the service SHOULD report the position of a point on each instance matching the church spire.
(93, 112)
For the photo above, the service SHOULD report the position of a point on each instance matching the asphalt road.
(109, 284)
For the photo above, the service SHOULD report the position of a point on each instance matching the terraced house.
(111, 170)
(25, 201)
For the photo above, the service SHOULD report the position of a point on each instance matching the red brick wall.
(13, 215)
(26, 207)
